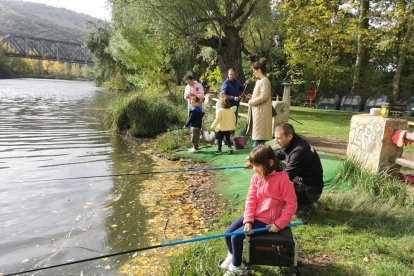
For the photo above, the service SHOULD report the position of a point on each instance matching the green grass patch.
(382, 186)
(174, 139)
(321, 123)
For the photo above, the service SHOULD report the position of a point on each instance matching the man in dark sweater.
(302, 164)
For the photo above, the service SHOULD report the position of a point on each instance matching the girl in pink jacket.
(271, 201)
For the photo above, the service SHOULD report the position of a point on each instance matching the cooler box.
(274, 249)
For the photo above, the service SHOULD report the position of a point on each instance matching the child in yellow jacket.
(224, 124)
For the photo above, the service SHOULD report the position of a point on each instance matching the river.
(49, 130)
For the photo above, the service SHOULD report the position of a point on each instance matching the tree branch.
(212, 42)
(246, 15)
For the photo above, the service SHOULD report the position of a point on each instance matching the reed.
(141, 115)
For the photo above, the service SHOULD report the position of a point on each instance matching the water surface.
(49, 130)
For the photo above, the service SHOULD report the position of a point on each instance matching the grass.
(334, 123)
(142, 115)
(367, 230)
(381, 185)
(344, 237)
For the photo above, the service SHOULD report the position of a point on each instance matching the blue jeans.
(235, 243)
(257, 143)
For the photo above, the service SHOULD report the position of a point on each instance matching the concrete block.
(370, 142)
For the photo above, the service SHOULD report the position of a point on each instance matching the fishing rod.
(141, 173)
(243, 95)
(295, 120)
(182, 128)
(298, 223)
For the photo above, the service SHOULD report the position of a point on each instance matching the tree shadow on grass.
(380, 223)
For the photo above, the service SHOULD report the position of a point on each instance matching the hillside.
(43, 21)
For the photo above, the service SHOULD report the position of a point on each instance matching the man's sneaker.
(236, 270)
(227, 262)
(192, 150)
(217, 152)
(230, 150)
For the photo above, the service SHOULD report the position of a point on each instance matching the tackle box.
(273, 249)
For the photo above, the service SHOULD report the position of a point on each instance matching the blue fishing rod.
(298, 223)
(140, 173)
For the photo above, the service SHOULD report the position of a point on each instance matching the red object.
(311, 95)
(399, 139)
(408, 178)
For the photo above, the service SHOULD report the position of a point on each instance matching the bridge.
(44, 49)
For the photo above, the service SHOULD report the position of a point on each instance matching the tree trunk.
(362, 56)
(402, 46)
(229, 53)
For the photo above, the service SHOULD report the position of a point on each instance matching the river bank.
(182, 206)
(345, 217)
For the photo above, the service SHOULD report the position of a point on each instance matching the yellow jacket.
(225, 120)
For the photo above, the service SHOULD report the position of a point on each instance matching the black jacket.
(303, 164)
(196, 118)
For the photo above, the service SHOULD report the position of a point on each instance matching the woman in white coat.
(260, 106)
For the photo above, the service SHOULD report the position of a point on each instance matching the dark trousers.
(257, 143)
(220, 136)
(304, 197)
(237, 114)
(195, 136)
(235, 243)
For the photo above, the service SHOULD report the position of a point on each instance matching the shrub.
(142, 116)
(172, 140)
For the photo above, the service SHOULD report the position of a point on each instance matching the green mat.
(233, 184)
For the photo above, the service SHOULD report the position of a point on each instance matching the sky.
(95, 8)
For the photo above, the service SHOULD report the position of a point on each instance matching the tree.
(318, 43)
(362, 54)
(214, 24)
(4, 69)
(106, 69)
(405, 14)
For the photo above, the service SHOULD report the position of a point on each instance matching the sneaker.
(217, 152)
(230, 151)
(227, 262)
(192, 150)
(236, 270)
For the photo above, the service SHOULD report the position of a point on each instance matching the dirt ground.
(337, 146)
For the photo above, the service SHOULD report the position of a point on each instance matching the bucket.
(374, 111)
(239, 142)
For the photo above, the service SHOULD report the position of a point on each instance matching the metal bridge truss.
(44, 49)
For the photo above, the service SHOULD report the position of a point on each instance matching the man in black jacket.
(302, 164)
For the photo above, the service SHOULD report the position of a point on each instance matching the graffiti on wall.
(365, 140)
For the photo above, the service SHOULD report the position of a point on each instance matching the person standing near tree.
(260, 106)
(232, 88)
(193, 89)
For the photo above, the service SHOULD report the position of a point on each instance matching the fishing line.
(298, 223)
(139, 173)
(184, 128)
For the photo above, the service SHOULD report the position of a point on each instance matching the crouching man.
(303, 165)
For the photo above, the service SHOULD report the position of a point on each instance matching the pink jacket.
(271, 199)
